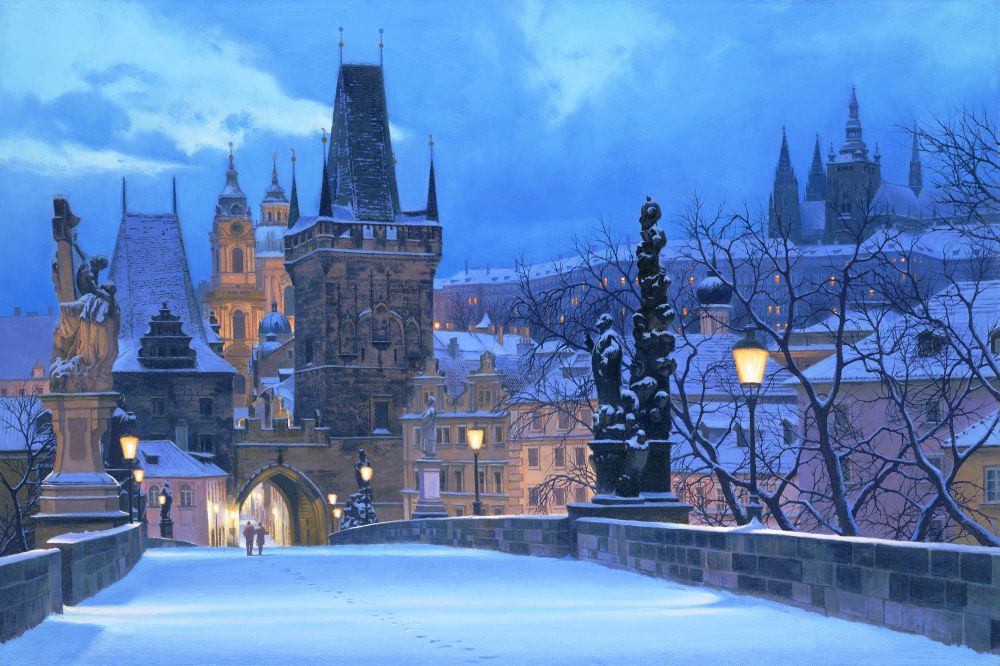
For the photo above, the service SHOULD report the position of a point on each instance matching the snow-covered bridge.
(421, 604)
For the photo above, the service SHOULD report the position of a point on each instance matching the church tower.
(363, 272)
(916, 180)
(852, 179)
(272, 279)
(816, 187)
(785, 216)
(234, 295)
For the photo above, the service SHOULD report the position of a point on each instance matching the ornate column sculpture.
(631, 449)
(79, 494)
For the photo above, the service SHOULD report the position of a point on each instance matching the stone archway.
(309, 517)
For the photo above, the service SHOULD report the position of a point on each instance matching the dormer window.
(929, 343)
(995, 342)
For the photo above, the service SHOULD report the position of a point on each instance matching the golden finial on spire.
(341, 29)
(323, 129)
(293, 154)
(381, 46)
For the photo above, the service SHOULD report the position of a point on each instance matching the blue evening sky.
(546, 116)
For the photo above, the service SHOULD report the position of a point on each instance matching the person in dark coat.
(248, 534)
(261, 532)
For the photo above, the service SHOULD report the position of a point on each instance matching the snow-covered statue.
(85, 343)
(428, 429)
(651, 365)
(606, 364)
(165, 507)
(360, 507)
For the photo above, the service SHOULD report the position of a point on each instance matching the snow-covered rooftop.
(150, 267)
(162, 459)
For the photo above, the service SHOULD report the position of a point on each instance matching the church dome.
(274, 322)
(713, 291)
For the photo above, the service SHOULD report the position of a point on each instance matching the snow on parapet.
(149, 268)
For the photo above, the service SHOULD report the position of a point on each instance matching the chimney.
(453, 347)
(17, 310)
(500, 334)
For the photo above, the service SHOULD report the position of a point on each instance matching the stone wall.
(542, 536)
(946, 592)
(30, 589)
(91, 561)
(949, 593)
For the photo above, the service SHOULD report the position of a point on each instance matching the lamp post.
(750, 358)
(337, 513)
(138, 474)
(475, 437)
(130, 445)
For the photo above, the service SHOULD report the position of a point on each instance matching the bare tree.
(27, 458)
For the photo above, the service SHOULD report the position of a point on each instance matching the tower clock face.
(236, 228)
(236, 209)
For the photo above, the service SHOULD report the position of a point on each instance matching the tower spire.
(325, 199)
(916, 180)
(124, 207)
(293, 206)
(784, 161)
(341, 45)
(174, 188)
(231, 164)
(432, 202)
(854, 146)
(816, 185)
(274, 168)
(381, 46)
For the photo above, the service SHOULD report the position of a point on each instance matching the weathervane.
(341, 45)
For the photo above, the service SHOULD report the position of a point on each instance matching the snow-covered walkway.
(431, 605)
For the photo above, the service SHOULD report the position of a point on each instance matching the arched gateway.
(304, 507)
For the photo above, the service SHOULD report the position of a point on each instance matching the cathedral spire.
(293, 206)
(816, 185)
(274, 168)
(381, 47)
(854, 146)
(432, 201)
(325, 200)
(784, 161)
(341, 45)
(916, 172)
(173, 182)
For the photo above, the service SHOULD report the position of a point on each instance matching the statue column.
(79, 495)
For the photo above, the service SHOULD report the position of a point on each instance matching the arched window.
(239, 325)
(187, 495)
(237, 256)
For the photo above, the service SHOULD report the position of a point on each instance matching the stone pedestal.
(78, 495)
(167, 529)
(654, 503)
(429, 503)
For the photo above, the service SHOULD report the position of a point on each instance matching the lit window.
(437, 326)
(777, 327)
(833, 280)
(562, 319)
(834, 311)
(621, 280)
(902, 260)
(777, 279)
(691, 280)
(475, 300)
(605, 282)
(469, 300)
(575, 301)
(871, 293)
(991, 484)
(770, 309)
(622, 310)
(684, 311)
(902, 277)
(777, 309)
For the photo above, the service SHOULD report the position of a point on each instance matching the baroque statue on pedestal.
(85, 343)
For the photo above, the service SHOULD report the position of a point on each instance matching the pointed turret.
(816, 186)
(274, 193)
(916, 172)
(325, 200)
(232, 201)
(293, 206)
(432, 199)
(854, 147)
(785, 214)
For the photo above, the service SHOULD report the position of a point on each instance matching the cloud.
(67, 157)
(197, 89)
(577, 51)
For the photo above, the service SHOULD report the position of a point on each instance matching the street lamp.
(475, 438)
(750, 358)
(138, 474)
(130, 446)
(337, 513)
(332, 499)
(367, 473)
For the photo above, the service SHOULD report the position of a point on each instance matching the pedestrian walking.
(248, 534)
(261, 533)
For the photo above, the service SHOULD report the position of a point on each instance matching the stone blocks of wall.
(946, 592)
(91, 561)
(30, 589)
(542, 536)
